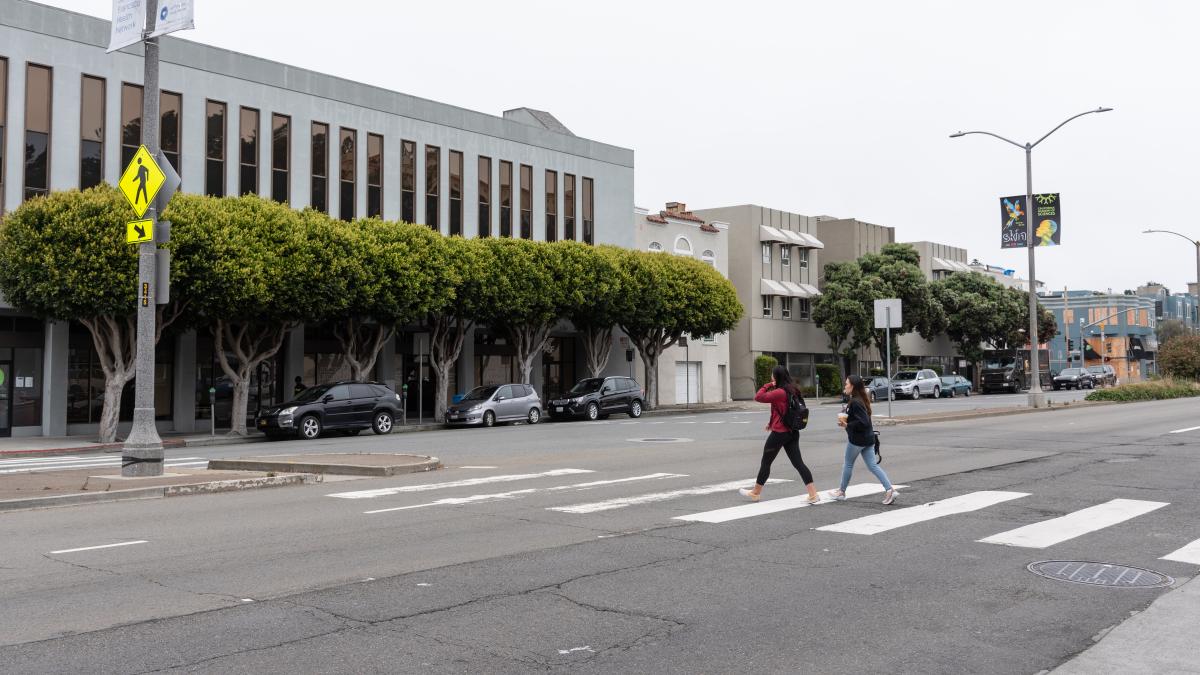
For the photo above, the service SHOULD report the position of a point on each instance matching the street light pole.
(1037, 398)
(1194, 242)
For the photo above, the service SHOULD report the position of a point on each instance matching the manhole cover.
(1100, 574)
(659, 440)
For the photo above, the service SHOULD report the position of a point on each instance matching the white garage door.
(687, 382)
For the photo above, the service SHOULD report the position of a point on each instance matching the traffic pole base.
(1037, 399)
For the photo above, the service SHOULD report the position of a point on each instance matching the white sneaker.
(749, 494)
(890, 497)
(839, 495)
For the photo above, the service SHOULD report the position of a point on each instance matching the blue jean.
(868, 455)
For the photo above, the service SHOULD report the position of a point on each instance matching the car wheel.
(967, 392)
(535, 416)
(937, 392)
(489, 419)
(310, 428)
(593, 411)
(382, 423)
(953, 393)
(635, 409)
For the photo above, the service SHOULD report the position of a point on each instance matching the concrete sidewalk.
(1160, 640)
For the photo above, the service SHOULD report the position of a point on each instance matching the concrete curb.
(429, 464)
(985, 412)
(158, 492)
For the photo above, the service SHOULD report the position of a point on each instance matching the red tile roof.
(656, 219)
(681, 215)
(708, 228)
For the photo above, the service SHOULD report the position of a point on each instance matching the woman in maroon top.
(776, 393)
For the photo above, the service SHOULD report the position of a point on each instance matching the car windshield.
(592, 384)
(948, 379)
(1069, 372)
(480, 393)
(999, 362)
(912, 375)
(1096, 369)
(313, 393)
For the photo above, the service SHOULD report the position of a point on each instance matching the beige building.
(774, 261)
(850, 239)
(697, 371)
(940, 260)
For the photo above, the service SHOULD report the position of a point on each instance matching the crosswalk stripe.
(890, 520)
(622, 502)
(1187, 554)
(468, 482)
(777, 505)
(496, 496)
(97, 464)
(41, 460)
(1057, 530)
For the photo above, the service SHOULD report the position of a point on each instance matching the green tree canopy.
(1181, 357)
(841, 310)
(592, 297)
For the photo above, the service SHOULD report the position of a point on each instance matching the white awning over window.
(943, 265)
(772, 287)
(806, 240)
(770, 234)
(766, 233)
(800, 290)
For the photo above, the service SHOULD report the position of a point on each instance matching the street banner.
(174, 15)
(128, 23)
(1047, 221)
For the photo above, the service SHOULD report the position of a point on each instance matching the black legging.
(790, 442)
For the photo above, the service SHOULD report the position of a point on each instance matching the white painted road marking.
(466, 482)
(1187, 554)
(622, 502)
(495, 496)
(1057, 530)
(93, 548)
(479, 467)
(1180, 431)
(63, 463)
(776, 505)
(890, 520)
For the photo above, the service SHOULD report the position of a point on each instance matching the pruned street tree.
(979, 312)
(666, 297)
(466, 267)
(527, 303)
(894, 273)
(840, 310)
(63, 257)
(592, 296)
(254, 269)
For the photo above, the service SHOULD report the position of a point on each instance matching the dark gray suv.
(599, 397)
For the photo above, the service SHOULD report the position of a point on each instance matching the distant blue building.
(1103, 328)
(1167, 305)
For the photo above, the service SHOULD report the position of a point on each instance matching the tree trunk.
(110, 415)
(361, 344)
(529, 340)
(446, 334)
(650, 346)
(597, 347)
(251, 344)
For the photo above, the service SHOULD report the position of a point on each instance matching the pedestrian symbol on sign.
(142, 180)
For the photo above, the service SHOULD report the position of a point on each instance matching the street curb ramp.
(160, 492)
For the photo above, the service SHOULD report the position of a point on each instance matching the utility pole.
(142, 454)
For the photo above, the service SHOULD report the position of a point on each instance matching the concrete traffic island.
(343, 464)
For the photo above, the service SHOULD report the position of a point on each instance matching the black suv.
(599, 397)
(345, 406)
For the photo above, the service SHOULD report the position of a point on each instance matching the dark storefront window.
(347, 154)
(414, 371)
(456, 193)
(214, 149)
(558, 367)
(568, 207)
(526, 201)
(169, 128)
(85, 380)
(248, 154)
(495, 360)
(21, 384)
(408, 181)
(589, 212)
(38, 103)
(263, 393)
(131, 121)
(319, 199)
(485, 196)
(374, 175)
(91, 133)
(281, 158)
(551, 205)
(433, 183)
(506, 180)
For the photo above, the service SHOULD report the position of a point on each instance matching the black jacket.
(858, 426)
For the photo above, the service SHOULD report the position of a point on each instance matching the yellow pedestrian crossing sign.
(139, 231)
(141, 181)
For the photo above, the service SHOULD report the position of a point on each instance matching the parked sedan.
(487, 406)
(344, 406)
(1073, 378)
(954, 385)
(598, 397)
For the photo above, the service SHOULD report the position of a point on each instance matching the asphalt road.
(583, 547)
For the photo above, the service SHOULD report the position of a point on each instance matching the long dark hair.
(858, 390)
(783, 380)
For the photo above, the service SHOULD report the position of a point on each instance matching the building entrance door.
(6, 386)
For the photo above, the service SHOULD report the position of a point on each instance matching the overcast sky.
(838, 108)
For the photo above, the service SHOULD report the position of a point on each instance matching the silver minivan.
(917, 383)
(492, 404)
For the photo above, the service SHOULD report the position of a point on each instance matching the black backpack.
(796, 415)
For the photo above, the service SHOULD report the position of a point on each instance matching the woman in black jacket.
(856, 419)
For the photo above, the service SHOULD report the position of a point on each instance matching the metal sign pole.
(888, 312)
(142, 454)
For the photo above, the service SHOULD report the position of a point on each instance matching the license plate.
(558, 409)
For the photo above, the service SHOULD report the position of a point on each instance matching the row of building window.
(683, 246)
(799, 308)
(785, 256)
(91, 170)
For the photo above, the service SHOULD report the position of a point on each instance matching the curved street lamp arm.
(1087, 112)
(987, 133)
(1190, 240)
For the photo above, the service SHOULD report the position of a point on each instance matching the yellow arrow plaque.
(141, 181)
(139, 231)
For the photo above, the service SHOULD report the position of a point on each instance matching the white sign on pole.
(174, 15)
(128, 23)
(882, 315)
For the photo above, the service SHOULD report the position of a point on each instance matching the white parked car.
(916, 383)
